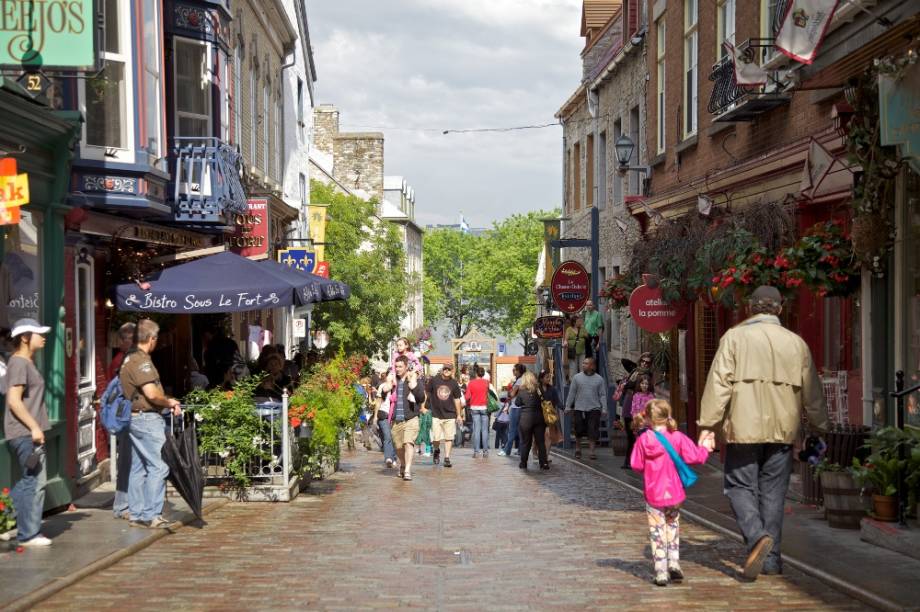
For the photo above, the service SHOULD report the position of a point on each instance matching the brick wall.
(718, 145)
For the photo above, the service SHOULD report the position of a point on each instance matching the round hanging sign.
(651, 312)
(571, 287)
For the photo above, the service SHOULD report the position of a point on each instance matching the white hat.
(28, 325)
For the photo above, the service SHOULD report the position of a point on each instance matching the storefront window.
(85, 320)
(193, 88)
(912, 292)
(19, 270)
(105, 93)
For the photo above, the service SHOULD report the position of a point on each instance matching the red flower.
(311, 415)
(295, 422)
(781, 262)
(716, 279)
(822, 292)
(2, 506)
(728, 280)
(6, 491)
(757, 258)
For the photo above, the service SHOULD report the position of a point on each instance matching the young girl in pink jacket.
(664, 491)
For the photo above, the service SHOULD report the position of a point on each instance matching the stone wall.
(358, 161)
(623, 91)
(325, 127)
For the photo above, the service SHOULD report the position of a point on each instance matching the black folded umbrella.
(181, 455)
(628, 365)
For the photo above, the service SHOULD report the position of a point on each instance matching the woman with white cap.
(24, 426)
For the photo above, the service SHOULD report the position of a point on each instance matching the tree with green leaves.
(367, 254)
(484, 281)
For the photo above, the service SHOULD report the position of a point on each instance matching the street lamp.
(624, 147)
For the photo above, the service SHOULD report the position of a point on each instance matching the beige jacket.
(761, 378)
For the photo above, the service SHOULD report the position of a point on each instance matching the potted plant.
(843, 503)
(881, 468)
(7, 515)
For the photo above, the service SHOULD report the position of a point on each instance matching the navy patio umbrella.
(225, 282)
(320, 289)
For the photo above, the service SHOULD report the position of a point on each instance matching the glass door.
(84, 343)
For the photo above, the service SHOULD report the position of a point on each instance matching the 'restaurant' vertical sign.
(251, 236)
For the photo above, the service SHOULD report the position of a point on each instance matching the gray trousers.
(756, 480)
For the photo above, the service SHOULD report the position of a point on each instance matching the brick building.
(720, 149)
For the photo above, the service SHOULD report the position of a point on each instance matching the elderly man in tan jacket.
(761, 378)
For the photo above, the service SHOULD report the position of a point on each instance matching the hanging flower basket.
(617, 291)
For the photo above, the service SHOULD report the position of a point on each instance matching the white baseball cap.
(28, 325)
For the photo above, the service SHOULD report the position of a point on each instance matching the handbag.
(687, 476)
(493, 405)
(550, 416)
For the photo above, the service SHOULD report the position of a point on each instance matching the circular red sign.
(651, 312)
(571, 287)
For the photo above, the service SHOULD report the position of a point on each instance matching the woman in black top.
(629, 389)
(531, 424)
(553, 432)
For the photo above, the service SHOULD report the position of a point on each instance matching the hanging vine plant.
(873, 190)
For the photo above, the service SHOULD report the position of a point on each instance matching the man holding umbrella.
(140, 382)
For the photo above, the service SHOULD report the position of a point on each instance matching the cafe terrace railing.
(206, 185)
(274, 475)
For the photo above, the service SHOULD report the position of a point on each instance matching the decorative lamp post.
(624, 147)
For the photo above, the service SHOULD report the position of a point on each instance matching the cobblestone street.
(480, 536)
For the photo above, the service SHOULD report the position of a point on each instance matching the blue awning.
(225, 282)
(313, 288)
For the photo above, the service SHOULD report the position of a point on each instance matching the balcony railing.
(206, 181)
(730, 101)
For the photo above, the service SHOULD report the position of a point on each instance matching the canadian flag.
(747, 71)
(804, 27)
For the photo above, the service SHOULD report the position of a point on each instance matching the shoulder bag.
(550, 416)
(493, 404)
(687, 476)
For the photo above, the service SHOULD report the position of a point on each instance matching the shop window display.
(19, 270)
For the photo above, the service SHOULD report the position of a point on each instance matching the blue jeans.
(122, 457)
(480, 431)
(756, 481)
(28, 494)
(389, 452)
(147, 483)
(513, 429)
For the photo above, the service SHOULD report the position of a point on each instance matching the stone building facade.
(353, 161)
(609, 103)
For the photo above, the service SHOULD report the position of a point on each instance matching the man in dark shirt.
(140, 382)
(443, 399)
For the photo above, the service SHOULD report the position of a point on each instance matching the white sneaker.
(502, 453)
(389, 463)
(9, 535)
(38, 540)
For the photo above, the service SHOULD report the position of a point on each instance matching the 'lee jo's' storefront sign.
(651, 312)
(251, 236)
(571, 287)
(52, 34)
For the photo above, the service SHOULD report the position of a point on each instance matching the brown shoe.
(754, 563)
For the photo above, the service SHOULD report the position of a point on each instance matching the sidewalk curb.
(862, 595)
(42, 593)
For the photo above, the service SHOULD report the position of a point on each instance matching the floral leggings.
(664, 533)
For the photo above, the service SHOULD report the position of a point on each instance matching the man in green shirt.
(594, 326)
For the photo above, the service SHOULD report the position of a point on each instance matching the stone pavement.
(483, 535)
(86, 537)
(880, 576)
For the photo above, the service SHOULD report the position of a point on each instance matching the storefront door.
(908, 320)
(84, 345)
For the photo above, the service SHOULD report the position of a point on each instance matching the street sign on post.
(549, 328)
(571, 287)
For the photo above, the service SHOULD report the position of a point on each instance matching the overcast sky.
(395, 65)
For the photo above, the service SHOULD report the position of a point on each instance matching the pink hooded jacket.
(662, 484)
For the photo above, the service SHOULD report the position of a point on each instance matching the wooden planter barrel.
(618, 442)
(845, 508)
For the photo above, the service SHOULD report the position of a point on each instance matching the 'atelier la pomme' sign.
(651, 311)
(570, 287)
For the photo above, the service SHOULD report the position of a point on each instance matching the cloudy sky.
(414, 68)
